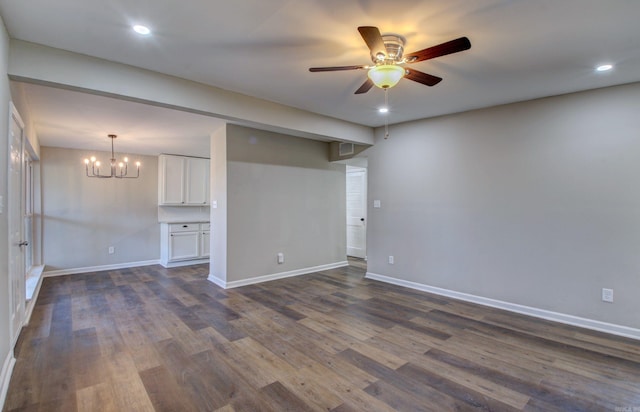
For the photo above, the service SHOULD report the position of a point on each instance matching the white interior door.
(357, 212)
(15, 215)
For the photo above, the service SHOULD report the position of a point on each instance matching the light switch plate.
(376, 204)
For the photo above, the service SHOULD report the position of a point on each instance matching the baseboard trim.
(275, 276)
(74, 271)
(597, 325)
(217, 281)
(181, 263)
(31, 303)
(5, 377)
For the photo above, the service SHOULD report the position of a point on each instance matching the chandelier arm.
(120, 171)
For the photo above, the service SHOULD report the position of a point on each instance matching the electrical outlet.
(391, 260)
(112, 250)
(280, 257)
(607, 295)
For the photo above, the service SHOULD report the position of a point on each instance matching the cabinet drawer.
(205, 226)
(183, 227)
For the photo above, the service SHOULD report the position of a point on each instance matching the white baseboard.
(217, 281)
(74, 271)
(513, 307)
(266, 278)
(5, 376)
(184, 263)
(31, 303)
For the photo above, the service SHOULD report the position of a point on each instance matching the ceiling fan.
(389, 61)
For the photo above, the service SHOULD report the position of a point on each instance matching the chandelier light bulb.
(126, 160)
(93, 159)
(98, 164)
(86, 161)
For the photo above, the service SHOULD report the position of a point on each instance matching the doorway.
(357, 212)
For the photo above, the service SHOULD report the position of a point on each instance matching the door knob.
(362, 219)
(23, 243)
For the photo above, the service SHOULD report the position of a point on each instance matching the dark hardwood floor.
(150, 338)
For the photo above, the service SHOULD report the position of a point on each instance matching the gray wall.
(283, 195)
(83, 216)
(536, 203)
(4, 231)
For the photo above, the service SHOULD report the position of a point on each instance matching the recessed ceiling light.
(144, 30)
(604, 67)
(383, 110)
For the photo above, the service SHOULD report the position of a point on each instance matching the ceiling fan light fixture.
(386, 75)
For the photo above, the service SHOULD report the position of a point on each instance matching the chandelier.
(119, 170)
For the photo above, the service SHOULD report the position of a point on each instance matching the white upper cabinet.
(197, 181)
(183, 181)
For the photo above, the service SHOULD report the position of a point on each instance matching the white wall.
(283, 195)
(84, 216)
(5, 349)
(535, 203)
(218, 181)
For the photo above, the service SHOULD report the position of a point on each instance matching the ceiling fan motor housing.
(394, 43)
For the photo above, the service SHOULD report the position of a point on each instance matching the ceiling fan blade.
(420, 77)
(373, 38)
(366, 86)
(443, 49)
(336, 68)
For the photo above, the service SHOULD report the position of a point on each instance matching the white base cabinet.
(184, 243)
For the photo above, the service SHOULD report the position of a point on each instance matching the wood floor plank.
(100, 397)
(129, 390)
(153, 338)
(185, 372)
(285, 400)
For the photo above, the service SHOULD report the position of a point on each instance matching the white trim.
(184, 263)
(266, 278)
(34, 273)
(217, 281)
(73, 271)
(5, 376)
(31, 303)
(513, 307)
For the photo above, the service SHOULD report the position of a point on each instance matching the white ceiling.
(521, 49)
(77, 120)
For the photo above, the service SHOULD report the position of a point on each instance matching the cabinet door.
(183, 245)
(172, 177)
(197, 181)
(204, 243)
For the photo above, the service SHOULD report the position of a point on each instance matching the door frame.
(364, 170)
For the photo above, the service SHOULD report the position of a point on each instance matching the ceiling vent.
(346, 149)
